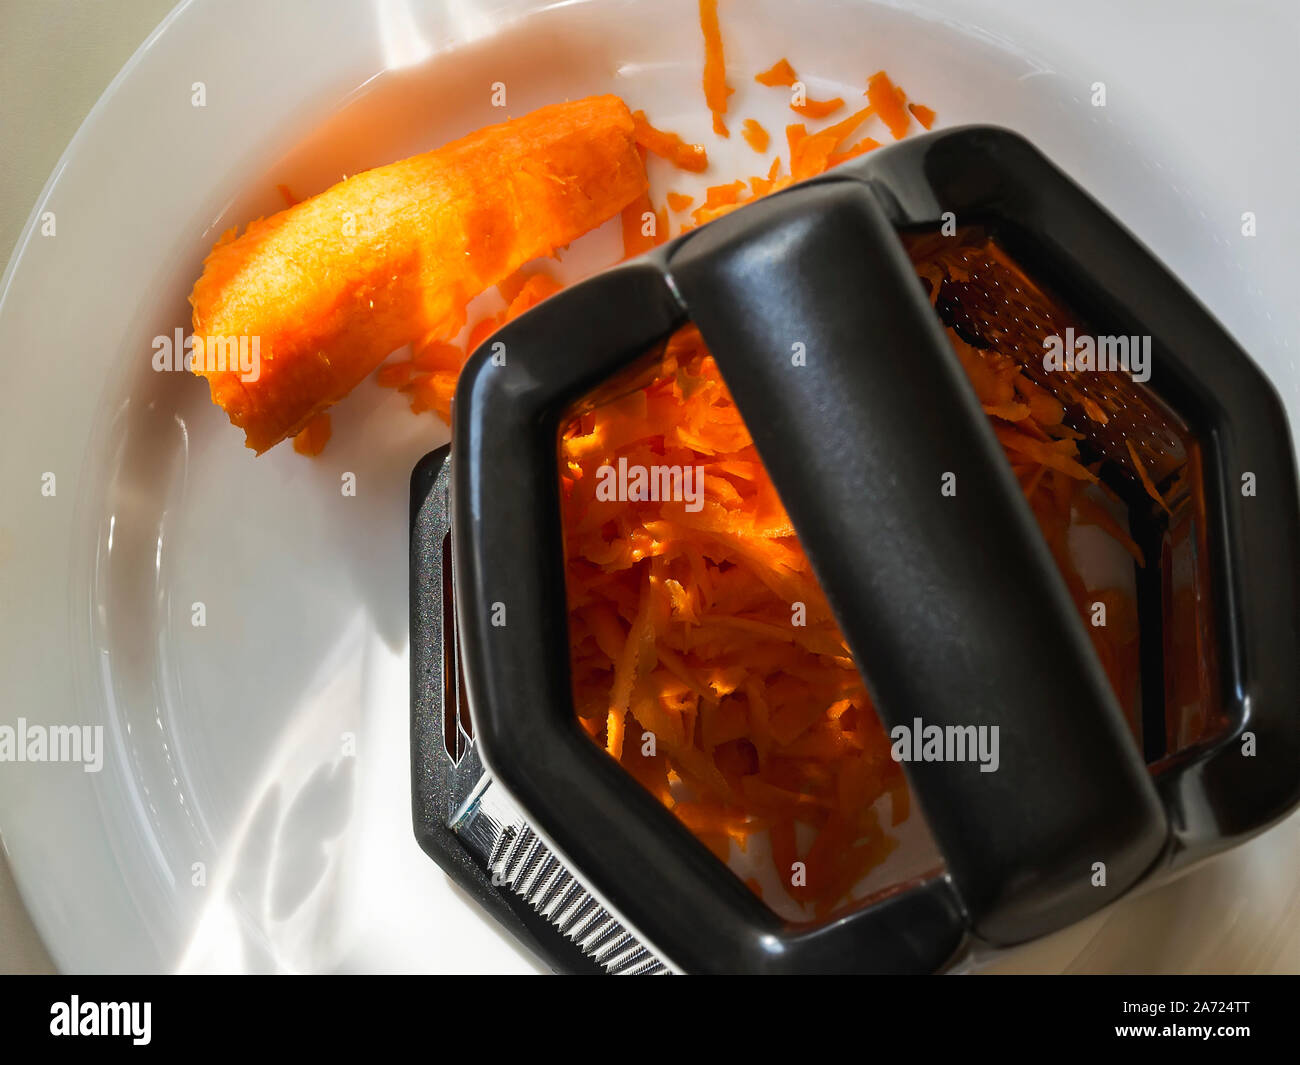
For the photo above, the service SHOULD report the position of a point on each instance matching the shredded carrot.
(314, 436)
(889, 103)
(679, 201)
(534, 290)
(670, 146)
(438, 355)
(794, 135)
(817, 108)
(393, 374)
(1145, 477)
(780, 73)
(922, 114)
(716, 89)
(755, 135)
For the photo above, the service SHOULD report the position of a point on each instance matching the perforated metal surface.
(989, 302)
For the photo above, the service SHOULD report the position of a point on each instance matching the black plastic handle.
(927, 550)
(950, 602)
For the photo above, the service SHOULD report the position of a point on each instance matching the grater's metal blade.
(493, 829)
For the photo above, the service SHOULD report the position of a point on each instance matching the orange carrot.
(889, 103)
(392, 375)
(780, 73)
(716, 89)
(314, 436)
(1145, 477)
(755, 135)
(679, 201)
(330, 286)
(922, 114)
(669, 146)
(817, 108)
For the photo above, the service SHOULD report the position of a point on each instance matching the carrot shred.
(780, 73)
(437, 355)
(755, 135)
(716, 89)
(1145, 477)
(314, 436)
(817, 108)
(679, 201)
(670, 146)
(922, 114)
(794, 135)
(393, 374)
(889, 103)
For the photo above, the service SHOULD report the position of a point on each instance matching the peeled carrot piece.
(392, 255)
(390, 375)
(679, 201)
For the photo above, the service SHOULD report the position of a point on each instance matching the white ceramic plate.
(268, 748)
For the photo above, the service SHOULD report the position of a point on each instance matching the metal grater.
(589, 871)
(466, 821)
(514, 855)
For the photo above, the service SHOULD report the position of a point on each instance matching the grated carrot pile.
(681, 629)
(687, 665)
